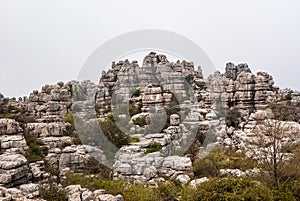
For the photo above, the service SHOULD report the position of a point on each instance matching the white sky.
(48, 41)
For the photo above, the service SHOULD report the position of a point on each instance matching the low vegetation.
(36, 151)
(154, 147)
(140, 121)
(113, 133)
(217, 159)
(51, 191)
(228, 188)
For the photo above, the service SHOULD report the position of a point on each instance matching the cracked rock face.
(11, 137)
(13, 169)
(76, 193)
(77, 158)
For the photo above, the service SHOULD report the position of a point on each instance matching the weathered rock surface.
(42, 130)
(13, 169)
(133, 165)
(196, 182)
(76, 193)
(11, 137)
(79, 158)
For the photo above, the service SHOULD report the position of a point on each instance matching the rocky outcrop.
(77, 193)
(13, 169)
(232, 71)
(80, 159)
(134, 166)
(49, 105)
(11, 137)
(24, 192)
(239, 88)
(166, 107)
(42, 130)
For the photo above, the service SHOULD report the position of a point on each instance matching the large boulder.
(11, 137)
(13, 169)
(81, 158)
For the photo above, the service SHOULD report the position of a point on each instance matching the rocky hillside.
(159, 129)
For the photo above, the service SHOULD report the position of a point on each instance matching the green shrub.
(154, 147)
(140, 192)
(136, 93)
(13, 109)
(220, 159)
(133, 139)
(77, 141)
(113, 133)
(94, 183)
(52, 192)
(233, 118)
(169, 190)
(69, 118)
(71, 126)
(284, 193)
(135, 108)
(111, 117)
(140, 121)
(227, 189)
(36, 149)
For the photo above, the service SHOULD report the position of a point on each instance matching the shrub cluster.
(217, 159)
(36, 151)
(215, 188)
(154, 147)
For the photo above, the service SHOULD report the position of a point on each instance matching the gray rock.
(197, 182)
(174, 120)
(183, 179)
(13, 169)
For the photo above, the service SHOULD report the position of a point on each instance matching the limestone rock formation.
(77, 193)
(168, 112)
(11, 137)
(14, 169)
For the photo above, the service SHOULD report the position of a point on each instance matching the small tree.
(271, 148)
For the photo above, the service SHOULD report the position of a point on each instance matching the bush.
(113, 133)
(36, 151)
(135, 108)
(284, 193)
(227, 189)
(50, 191)
(169, 190)
(71, 126)
(136, 93)
(286, 112)
(220, 159)
(95, 183)
(140, 192)
(111, 117)
(69, 118)
(154, 147)
(233, 118)
(141, 121)
(133, 139)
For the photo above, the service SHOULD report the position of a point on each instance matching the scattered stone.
(196, 182)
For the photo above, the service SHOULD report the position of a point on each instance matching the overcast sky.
(48, 41)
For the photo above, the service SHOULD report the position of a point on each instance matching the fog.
(49, 41)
